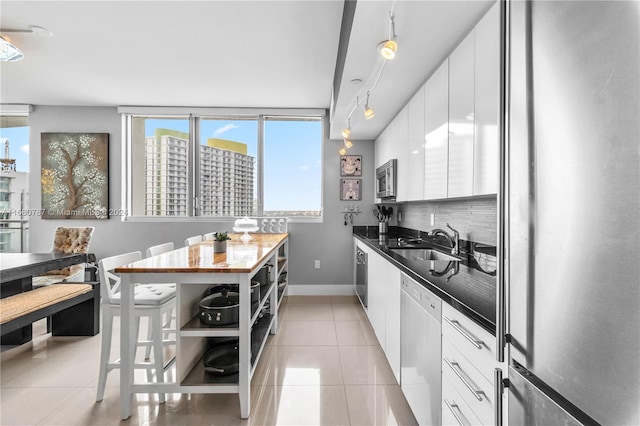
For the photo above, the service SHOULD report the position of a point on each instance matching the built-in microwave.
(386, 180)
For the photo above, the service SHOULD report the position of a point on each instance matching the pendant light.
(347, 143)
(343, 151)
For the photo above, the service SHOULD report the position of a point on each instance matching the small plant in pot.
(220, 242)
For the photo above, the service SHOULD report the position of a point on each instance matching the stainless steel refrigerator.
(573, 212)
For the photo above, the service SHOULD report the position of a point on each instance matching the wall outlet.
(317, 264)
(433, 219)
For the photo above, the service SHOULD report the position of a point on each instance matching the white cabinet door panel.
(416, 147)
(400, 142)
(436, 129)
(461, 118)
(487, 92)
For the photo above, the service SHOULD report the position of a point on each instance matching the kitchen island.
(195, 269)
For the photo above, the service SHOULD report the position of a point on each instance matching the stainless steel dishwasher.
(361, 276)
(420, 359)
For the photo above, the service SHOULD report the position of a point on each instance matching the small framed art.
(351, 165)
(350, 189)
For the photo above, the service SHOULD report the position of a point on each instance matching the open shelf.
(199, 377)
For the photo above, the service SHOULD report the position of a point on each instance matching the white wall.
(330, 241)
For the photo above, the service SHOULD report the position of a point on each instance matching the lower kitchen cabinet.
(468, 362)
(383, 307)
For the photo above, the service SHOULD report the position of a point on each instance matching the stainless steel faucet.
(454, 240)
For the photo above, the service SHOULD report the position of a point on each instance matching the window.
(223, 166)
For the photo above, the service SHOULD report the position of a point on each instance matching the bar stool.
(149, 301)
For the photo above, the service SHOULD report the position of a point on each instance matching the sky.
(18, 146)
(293, 150)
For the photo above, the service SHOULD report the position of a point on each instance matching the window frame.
(194, 116)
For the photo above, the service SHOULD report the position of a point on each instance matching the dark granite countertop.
(469, 285)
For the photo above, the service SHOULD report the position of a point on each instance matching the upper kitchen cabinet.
(461, 118)
(436, 130)
(487, 95)
(399, 148)
(392, 143)
(416, 147)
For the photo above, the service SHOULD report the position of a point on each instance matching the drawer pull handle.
(457, 413)
(455, 324)
(460, 373)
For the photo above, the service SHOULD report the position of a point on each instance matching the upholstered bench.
(74, 308)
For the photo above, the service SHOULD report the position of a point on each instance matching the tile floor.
(324, 367)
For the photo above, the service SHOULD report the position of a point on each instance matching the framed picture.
(351, 165)
(74, 175)
(350, 189)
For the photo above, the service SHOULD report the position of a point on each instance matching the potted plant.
(220, 242)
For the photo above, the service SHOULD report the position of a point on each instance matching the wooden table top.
(199, 258)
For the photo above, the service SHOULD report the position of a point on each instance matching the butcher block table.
(195, 269)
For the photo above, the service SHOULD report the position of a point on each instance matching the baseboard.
(320, 290)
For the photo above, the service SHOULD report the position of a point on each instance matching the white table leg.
(127, 324)
(244, 384)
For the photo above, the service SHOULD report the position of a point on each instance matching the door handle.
(455, 324)
(459, 372)
(455, 410)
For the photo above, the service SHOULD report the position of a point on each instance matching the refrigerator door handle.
(501, 308)
(498, 389)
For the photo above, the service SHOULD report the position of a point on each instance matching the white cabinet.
(391, 276)
(436, 129)
(392, 144)
(487, 92)
(461, 118)
(415, 148)
(400, 142)
(468, 362)
(383, 305)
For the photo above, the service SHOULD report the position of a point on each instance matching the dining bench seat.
(74, 308)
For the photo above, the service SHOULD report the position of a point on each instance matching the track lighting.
(347, 132)
(389, 47)
(368, 112)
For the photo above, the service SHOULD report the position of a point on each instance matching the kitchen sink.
(422, 254)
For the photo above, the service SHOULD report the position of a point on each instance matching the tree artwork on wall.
(75, 175)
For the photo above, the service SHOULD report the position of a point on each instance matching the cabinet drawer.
(469, 382)
(470, 339)
(455, 411)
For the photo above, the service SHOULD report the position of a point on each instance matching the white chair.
(210, 236)
(159, 249)
(151, 301)
(193, 240)
(166, 323)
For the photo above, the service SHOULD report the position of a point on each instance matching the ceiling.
(271, 54)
